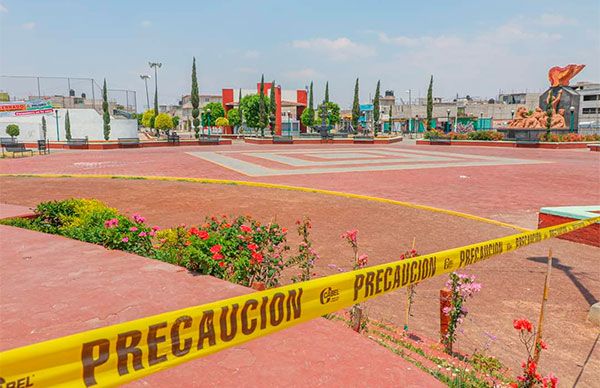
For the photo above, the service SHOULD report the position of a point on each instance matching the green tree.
(250, 105)
(390, 122)
(68, 126)
(549, 112)
(376, 110)
(176, 120)
(148, 118)
(163, 122)
(355, 107)
(12, 130)
(233, 115)
(195, 100)
(430, 103)
(216, 111)
(262, 108)
(333, 113)
(272, 108)
(240, 108)
(327, 91)
(307, 118)
(44, 128)
(105, 114)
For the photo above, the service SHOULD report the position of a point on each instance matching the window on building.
(591, 97)
(590, 111)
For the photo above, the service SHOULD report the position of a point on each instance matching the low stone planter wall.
(111, 145)
(507, 143)
(550, 216)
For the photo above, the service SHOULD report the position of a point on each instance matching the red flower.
(217, 256)
(202, 234)
(221, 264)
(257, 258)
(283, 230)
(253, 247)
(246, 228)
(215, 249)
(523, 324)
(543, 345)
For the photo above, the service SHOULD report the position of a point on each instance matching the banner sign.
(25, 108)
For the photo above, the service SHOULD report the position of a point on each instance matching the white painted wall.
(84, 122)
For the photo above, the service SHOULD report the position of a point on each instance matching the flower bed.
(473, 135)
(240, 249)
(568, 137)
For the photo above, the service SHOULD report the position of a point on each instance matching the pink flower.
(139, 219)
(155, 228)
(142, 234)
(246, 228)
(350, 235)
(215, 249)
(111, 223)
(133, 229)
(362, 261)
(125, 239)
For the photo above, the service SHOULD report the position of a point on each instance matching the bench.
(128, 141)
(283, 140)
(43, 147)
(6, 141)
(207, 139)
(17, 147)
(173, 138)
(309, 134)
(77, 143)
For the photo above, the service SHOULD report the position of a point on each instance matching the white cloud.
(28, 26)
(146, 23)
(3, 8)
(302, 74)
(554, 20)
(336, 49)
(251, 54)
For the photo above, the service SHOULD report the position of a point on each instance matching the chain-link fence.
(66, 92)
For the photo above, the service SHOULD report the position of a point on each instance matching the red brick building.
(290, 103)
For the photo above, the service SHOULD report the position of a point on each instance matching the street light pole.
(572, 119)
(155, 65)
(447, 120)
(409, 91)
(208, 117)
(145, 78)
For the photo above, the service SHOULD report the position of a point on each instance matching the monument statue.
(559, 78)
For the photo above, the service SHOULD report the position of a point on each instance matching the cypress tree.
(240, 108)
(327, 92)
(68, 126)
(105, 115)
(430, 103)
(355, 107)
(390, 119)
(272, 108)
(195, 99)
(262, 109)
(44, 128)
(549, 112)
(376, 110)
(310, 98)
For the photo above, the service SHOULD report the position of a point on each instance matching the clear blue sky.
(471, 47)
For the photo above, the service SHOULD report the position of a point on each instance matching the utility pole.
(145, 78)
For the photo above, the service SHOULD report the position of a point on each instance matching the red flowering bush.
(530, 376)
(241, 250)
(568, 137)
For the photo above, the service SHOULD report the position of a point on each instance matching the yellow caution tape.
(274, 186)
(127, 351)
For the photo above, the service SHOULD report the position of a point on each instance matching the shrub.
(485, 135)
(163, 122)
(568, 137)
(12, 130)
(148, 118)
(222, 122)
